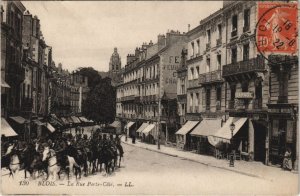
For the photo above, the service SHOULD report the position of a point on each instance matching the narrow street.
(147, 172)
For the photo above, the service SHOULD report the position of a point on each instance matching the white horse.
(14, 165)
(53, 168)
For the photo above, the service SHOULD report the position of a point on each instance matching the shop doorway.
(259, 141)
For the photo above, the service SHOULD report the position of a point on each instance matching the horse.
(32, 161)
(80, 158)
(92, 157)
(53, 167)
(106, 157)
(11, 160)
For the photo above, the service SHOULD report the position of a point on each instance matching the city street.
(147, 172)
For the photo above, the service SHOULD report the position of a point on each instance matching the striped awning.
(142, 127)
(50, 127)
(115, 124)
(188, 126)
(129, 125)
(75, 119)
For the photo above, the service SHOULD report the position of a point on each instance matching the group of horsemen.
(61, 141)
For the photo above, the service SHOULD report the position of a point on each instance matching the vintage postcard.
(149, 97)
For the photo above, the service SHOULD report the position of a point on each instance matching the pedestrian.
(287, 160)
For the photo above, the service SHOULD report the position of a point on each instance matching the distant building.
(79, 90)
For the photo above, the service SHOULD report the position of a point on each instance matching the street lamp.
(231, 163)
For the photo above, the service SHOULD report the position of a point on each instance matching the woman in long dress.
(287, 160)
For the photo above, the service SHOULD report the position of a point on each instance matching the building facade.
(148, 92)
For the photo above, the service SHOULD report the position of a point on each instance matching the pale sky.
(85, 33)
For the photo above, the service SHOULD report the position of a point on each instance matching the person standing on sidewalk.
(287, 160)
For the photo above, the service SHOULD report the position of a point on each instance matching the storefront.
(183, 138)
(200, 133)
(283, 132)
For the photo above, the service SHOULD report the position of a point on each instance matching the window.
(219, 97)
(193, 48)
(208, 65)
(246, 52)
(245, 87)
(220, 30)
(197, 99)
(197, 72)
(246, 20)
(219, 61)
(182, 109)
(208, 36)
(234, 26)
(207, 98)
(232, 92)
(191, 99)
(234, 23)
(198, 46)
(192, 73)
(233, 55)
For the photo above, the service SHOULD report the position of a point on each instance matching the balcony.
(193, 59)
(193, 83)
(257, 104)
(127, 98)
(219, 41)
(210, 77)
(208, 46)
(137, 99)
(233, 33)
(252, 65)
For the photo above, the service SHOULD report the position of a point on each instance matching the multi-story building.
(231, 83)
(14, 73)
(148, 92)
(79, 90)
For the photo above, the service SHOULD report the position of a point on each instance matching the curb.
(206, 164)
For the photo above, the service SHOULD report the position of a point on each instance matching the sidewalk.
(254, 169)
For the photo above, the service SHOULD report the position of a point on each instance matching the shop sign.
(244, 95)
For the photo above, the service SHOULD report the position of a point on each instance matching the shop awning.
(83, 119)
(224, 133)
(207, 127)
(189, 125)
(69, 119)
(18, 119)
(129, 125)
(38, 122)
(75, 119)
(115, 124)
(6, 129)
(148, 129)
(50, 127)
(142, 127)
(4, 84)
(64, 120)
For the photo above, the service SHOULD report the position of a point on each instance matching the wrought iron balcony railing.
(210, 77)
(251, 65)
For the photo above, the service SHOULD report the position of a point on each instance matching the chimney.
(189, 27)
(130, 58)
(150, 43)
(161, 41)
(136, 52)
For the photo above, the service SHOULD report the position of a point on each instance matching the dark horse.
(80, 158)
(32, 162)
(106, 157)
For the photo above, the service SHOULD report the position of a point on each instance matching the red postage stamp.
(277, 27)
